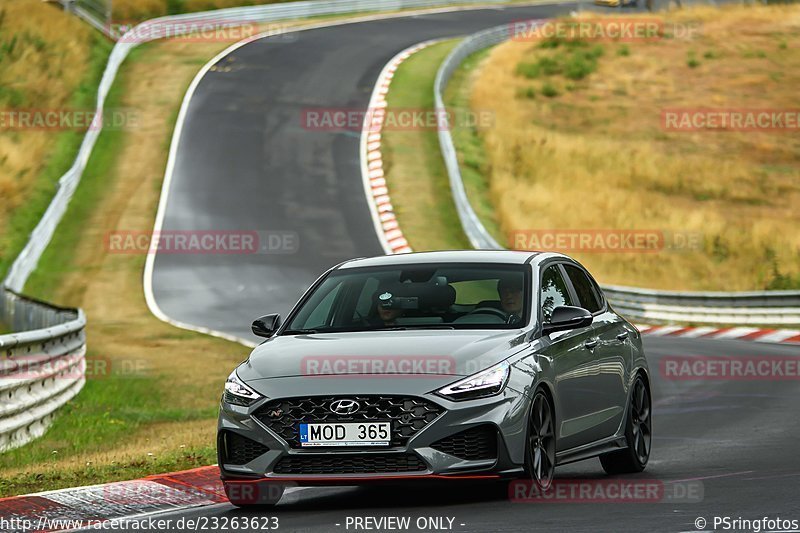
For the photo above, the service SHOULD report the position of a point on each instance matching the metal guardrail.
(97, 13)
(477, 234)
(765, 308)
(774, 308)
(41, 368)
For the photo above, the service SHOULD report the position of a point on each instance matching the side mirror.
(567, 317)
(267, 325)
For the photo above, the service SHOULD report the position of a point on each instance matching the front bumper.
(456, 444)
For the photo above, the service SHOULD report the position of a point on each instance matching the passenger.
(510, 291)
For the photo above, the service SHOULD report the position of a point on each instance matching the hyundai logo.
(345, 407)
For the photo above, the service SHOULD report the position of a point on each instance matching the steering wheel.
(490, 311)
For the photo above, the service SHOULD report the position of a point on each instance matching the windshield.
(447, 296)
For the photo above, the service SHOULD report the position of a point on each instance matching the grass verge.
(413, 165)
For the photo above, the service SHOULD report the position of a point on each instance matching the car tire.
(540, 449)
(638, 434)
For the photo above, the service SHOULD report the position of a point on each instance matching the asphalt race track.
(246, 163)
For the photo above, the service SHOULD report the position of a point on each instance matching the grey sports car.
(439, 365)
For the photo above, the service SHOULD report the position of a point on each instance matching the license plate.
(346, 434)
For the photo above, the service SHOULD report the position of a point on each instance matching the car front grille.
(239, 450)
(367, 463)
(472, 444)
(407, 414)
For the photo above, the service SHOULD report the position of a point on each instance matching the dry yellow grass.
(44, 54)
(596, 157)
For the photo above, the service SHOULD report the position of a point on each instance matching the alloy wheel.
(640, 419)
(541, 442)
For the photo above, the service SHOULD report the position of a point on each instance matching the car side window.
(600, 296)
(554, 292)
(587, 297)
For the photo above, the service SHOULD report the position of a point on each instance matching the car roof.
(451, 256)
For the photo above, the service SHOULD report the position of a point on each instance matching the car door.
(609, 357)
(571, 362)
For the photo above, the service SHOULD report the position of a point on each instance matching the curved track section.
(245, 163)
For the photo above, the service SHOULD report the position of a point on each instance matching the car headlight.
(237, 393)
(489, 382)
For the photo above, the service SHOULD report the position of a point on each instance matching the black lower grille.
(407, 414)
(373, 463)
(240, 450)
(472, 444)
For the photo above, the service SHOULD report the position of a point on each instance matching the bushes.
(573, 59)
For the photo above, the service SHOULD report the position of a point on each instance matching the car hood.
(381, 353)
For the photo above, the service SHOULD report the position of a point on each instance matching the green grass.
(415, 172)
(55, 479)
(469, 145)
(549, 90)
(106, 411)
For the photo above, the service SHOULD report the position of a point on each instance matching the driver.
(386, 315)
(510, 291)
